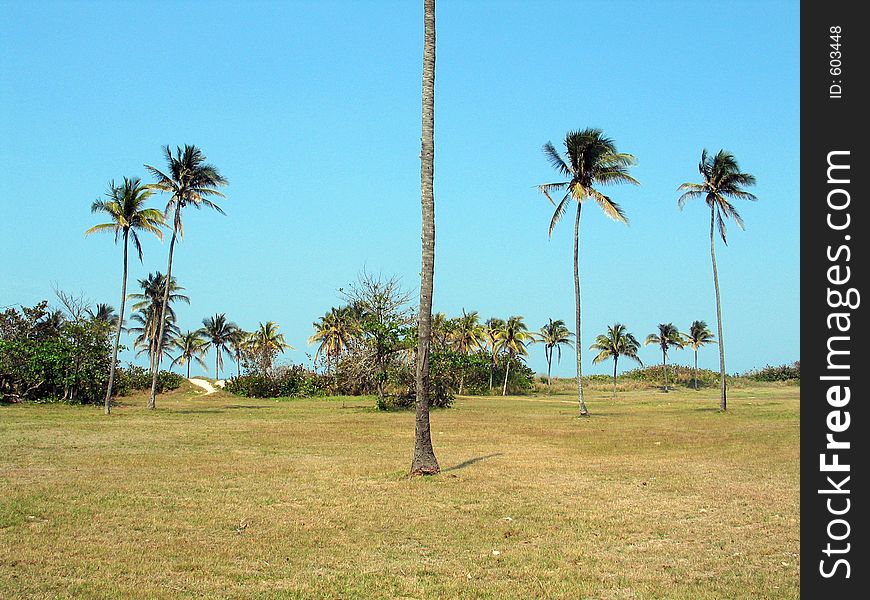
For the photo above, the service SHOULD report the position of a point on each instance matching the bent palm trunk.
(155, 369)
(507, 370)
(583, 410)
(108, 407)
(722, 402)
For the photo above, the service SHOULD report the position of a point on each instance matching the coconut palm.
(145, 331)
(666, 338)
(218, 334)
(104, 313)
(333, 333)
(149, 303)
(591, 160)
(723, 181)
(467, 336)
(190, 181)
(424, 461)
(491, 328)
(511, 341)
(613, 344)
(239, 346)
(699, 335)
(265, 343)
(442, 331)
(554, 335)
(125, 207)
(190, 347)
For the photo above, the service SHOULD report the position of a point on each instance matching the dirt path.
(202, 383)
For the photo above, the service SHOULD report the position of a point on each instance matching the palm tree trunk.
(549, 367)
(615, 360)
(583, 410)
(695, 373)
(152, 400)
(665, 368)
(722, 401)
(108, 407)
(491, 371)
(188, 369)
(424, 461)
(507, 370)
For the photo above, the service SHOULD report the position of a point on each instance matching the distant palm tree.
(442, 330)
(699, 335)
(467, 336)
(125, 207)
(613, 344)
(191, 182)
(667, 337)
(591, 160)
(722, 180)
(145, 331)
(105, 313)
(150, 302)
(266, 343)
(190, 346)
(333, 333)
(218, 334)
(554, 335)
(239, 345)
(511, 341)
(492, 327)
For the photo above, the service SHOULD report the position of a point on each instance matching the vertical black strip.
(834, 226)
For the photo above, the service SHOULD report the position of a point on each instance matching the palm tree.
(492, 326)
(239, 345)
(424, 461)
(613, 344)
(125, 208)
(591, 160)
(145, 330)
(511, 341)
(191, 182)
(442, 331)
(722, 180)
(333, 333)
(218, 334)
(554, 335)
(190, 346)
(105, 313)
(467, 335)
(667, 337)
(150, 302)
(699, 335)
(266, 343)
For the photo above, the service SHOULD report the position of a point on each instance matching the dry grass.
(654, 496)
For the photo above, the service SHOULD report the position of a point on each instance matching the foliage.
(290, 381)
(790, 372)
(135, 378)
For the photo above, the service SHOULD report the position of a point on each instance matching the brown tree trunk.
(108, 407)
(549, 368)
(507, 370)
(583, 409)
(158, 345)
(695, 373)
(424, 461)
(615, 359)
(665, 368)
(722, 402)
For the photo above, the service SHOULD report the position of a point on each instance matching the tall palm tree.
(125, 207)
(145, 331)
(492, 326)
(666, 338)
(150, 302)
(511, 341)
(218, 334)
(722, 180)
(554, 335)
(613, 344)
(467, 335)
(424, 461)
(266, 343)
(699, 335)
(190, 181)
(591, 160)
(190, 346)
(333, 333)
(104, 313)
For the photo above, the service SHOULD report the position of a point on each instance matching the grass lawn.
(654, 496)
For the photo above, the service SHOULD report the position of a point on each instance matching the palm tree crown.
(125, 207)
(666, 338)
(190, 346)
(613, 344)
(467, 333)
(334, 332)
(218, 334)
(554, 335)
(266, 342)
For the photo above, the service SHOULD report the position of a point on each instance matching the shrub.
(135, 378)
(291, 381)
(790, 372)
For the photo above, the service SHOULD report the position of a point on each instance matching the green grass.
(654, 496)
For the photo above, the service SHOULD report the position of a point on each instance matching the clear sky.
(312, 111)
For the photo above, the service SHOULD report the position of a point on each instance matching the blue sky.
(312, 111)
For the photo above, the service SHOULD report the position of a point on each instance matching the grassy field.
(654, 496)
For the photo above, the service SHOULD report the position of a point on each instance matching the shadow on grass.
(248, 406)
(470, 462)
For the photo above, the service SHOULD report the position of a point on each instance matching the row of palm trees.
(591, 159)
(189, 181)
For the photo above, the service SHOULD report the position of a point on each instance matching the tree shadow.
(470, 462)
(248, 406)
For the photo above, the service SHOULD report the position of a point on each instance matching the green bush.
(677, 375)
(291, 381)
(135, 378)
(790, 372)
